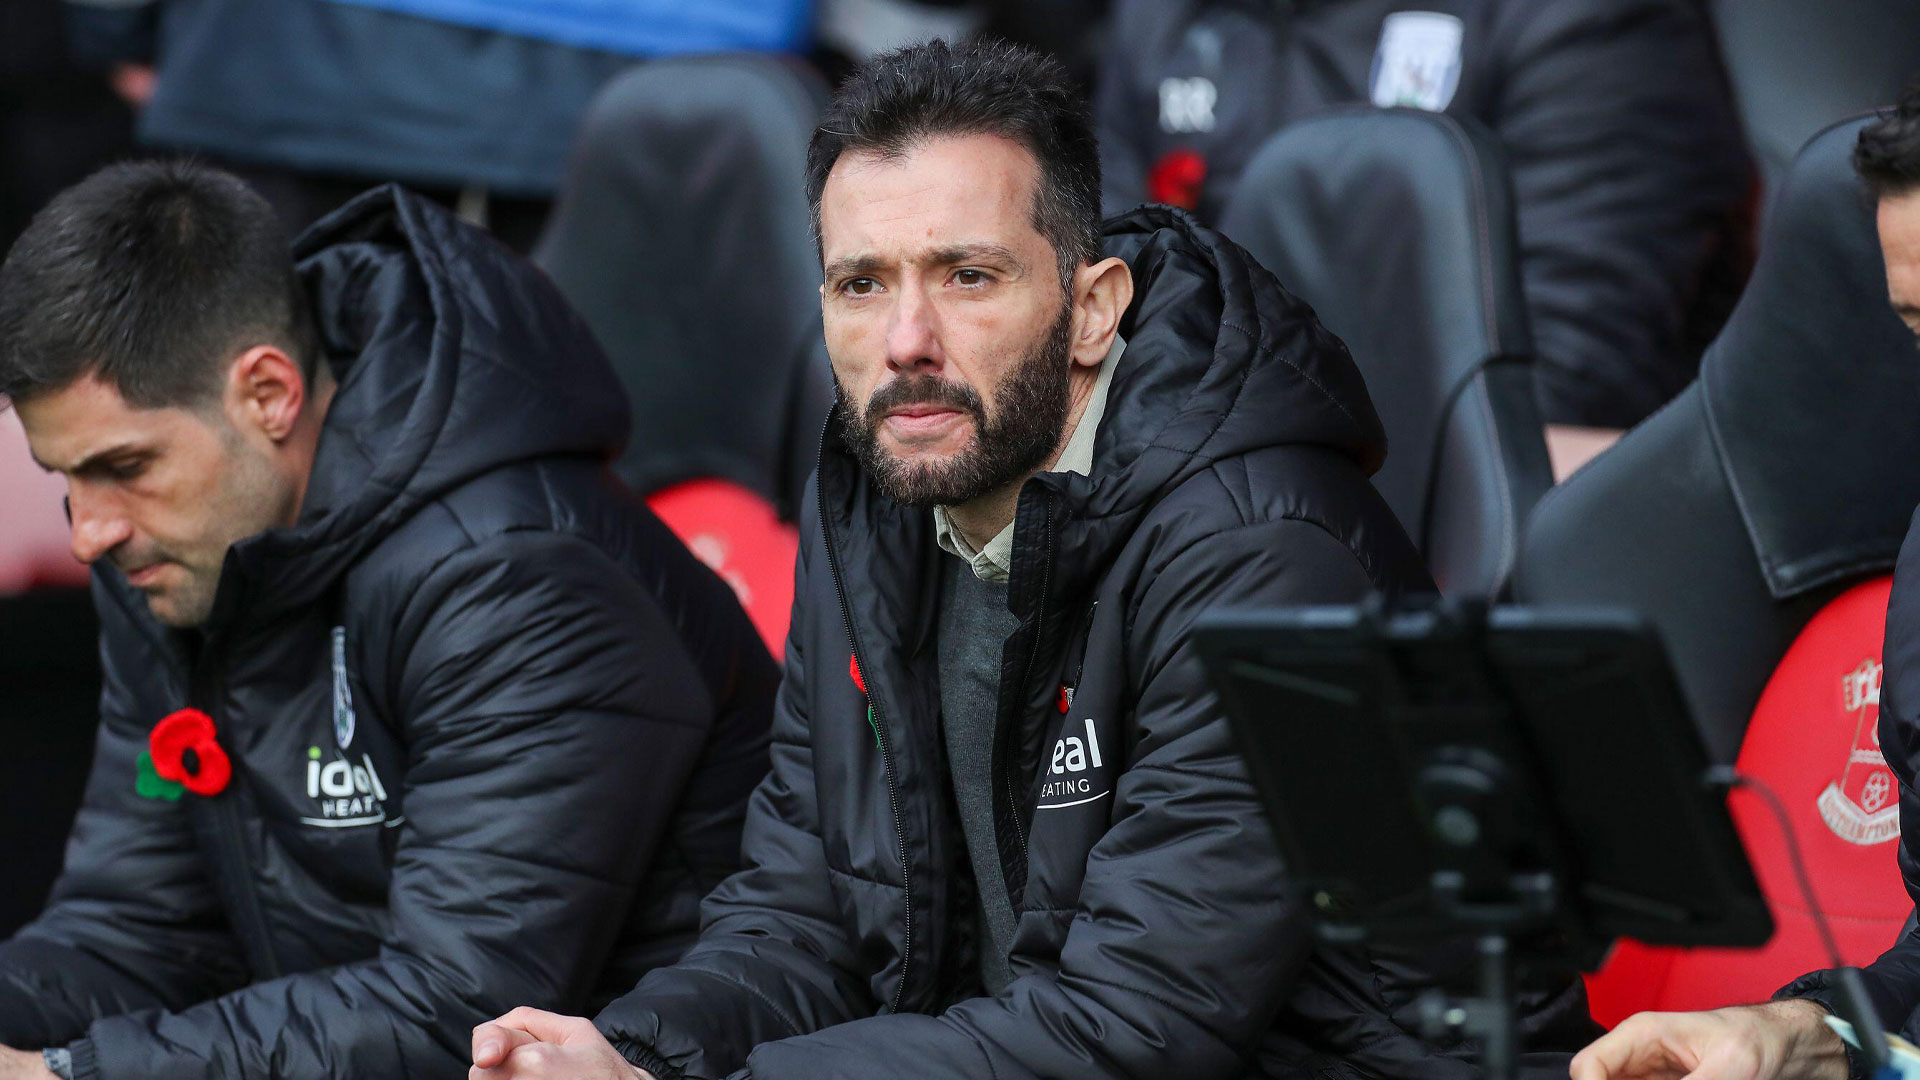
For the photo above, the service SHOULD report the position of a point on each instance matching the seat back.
(1814, 742)
(737, 534)
(1777, 479)
(1396, 225)
(1748, 521)
(1797, 67)
(685, 198)
(35, 548)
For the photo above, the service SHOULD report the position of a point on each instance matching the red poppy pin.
(853, 671)
(185, 752)
(1176, 179)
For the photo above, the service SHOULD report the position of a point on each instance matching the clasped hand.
(528, 1044)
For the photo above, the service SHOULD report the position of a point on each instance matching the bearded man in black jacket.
(468, 724)
(1007, 833)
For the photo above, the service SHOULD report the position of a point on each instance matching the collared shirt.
(994, 562)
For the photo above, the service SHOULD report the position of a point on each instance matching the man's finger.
(547, 1027)
(1636, 1048)
(494, 1040)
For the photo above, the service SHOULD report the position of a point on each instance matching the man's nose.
(97, 527)
(913, 333)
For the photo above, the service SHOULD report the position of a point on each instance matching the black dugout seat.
(682, 236)
(1797, 67)
(1753, 522)
(49, 709)
(1783, 474)
(1397, 227)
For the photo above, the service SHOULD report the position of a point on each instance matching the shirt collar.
(994, 562)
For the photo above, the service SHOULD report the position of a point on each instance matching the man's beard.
(1029, 414)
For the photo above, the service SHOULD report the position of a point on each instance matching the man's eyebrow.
(853, 264)
(942, 256)
(960, 253)
(96, 459)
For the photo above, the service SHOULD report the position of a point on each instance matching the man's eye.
(127, 471)
(860, 286)
(969, 277)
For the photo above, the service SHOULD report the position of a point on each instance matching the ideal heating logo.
(348, 793)
(1077, 773)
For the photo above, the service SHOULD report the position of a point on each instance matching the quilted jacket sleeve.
(773, 960)
(1628, 172)
(133, 922)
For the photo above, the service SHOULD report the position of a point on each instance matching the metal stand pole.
(1498, 1041)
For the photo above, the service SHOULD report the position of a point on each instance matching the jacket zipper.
(879, 728)
(1026, 676)
(226, 813)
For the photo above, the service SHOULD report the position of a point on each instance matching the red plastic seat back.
(35, 549)
(737, 533)
(1815, 741)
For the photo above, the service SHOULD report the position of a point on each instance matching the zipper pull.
(853, 669)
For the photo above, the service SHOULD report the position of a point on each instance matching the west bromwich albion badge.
(1417, 64)
(343, 719)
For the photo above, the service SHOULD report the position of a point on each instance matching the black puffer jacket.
(1154, 938)
(1630, 177)
(492, 727)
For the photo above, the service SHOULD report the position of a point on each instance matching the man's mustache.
(922, 390)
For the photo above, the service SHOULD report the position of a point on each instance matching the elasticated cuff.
(86, 1063)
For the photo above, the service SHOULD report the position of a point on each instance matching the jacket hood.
(453, 357)
(1220, 361)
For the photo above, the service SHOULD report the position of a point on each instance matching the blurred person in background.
(1788, 1038)
(1007, 832)
(58, 121)
(1633, 188)
(411, 711)
(473, 102)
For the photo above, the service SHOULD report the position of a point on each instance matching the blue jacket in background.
(451, 93)
(637, 27)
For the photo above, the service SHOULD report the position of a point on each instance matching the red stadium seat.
(35, 549)
(1814, 740)
(738, 534)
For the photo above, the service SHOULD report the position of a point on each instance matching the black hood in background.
(454, 357)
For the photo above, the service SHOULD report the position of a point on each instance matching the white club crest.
(1417, 63)
(1859, 806)
(343, 718)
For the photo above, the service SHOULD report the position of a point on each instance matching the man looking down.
(1007, 833)
(471, 726)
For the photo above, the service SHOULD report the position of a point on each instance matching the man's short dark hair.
(902, 98)
(1887, 156)
(149, 276)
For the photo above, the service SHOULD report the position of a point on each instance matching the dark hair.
(1887, 156)
(901, 98)
(149, 276)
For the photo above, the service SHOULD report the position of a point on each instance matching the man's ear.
(1102, 293)
(266, 392)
